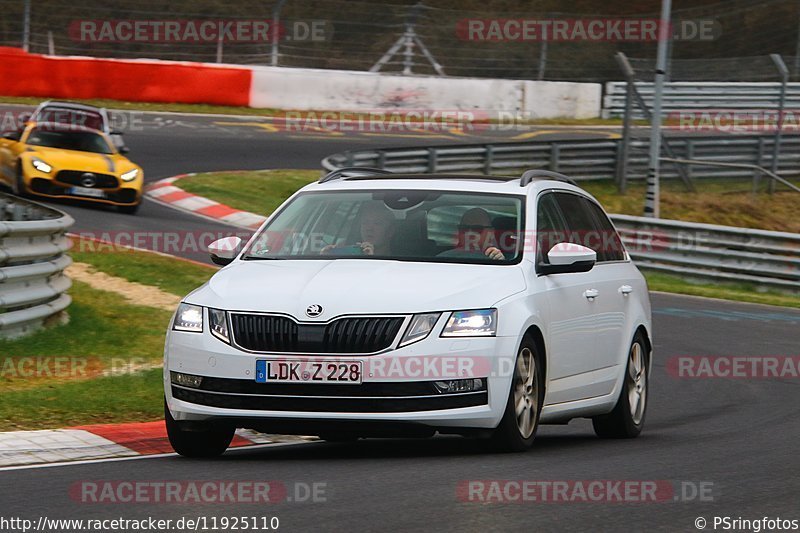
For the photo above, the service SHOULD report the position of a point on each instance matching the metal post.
(542, 60)
(622, 151)
(276, 21)
(26, 27)
(797, 51)
(408, 53)
(219, 49)
(776, 152)
(51, 46)
(652, 199)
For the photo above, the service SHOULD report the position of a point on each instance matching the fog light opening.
(460, 385)
(186, 380)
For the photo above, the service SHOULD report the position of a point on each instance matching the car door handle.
(625, 290)
(591, 294)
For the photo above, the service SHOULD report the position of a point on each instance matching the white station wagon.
(373, 304)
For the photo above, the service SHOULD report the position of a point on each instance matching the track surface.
(737, 436)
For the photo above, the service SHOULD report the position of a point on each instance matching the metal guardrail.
(707, 251)
(583, 159)
(33, 286)
(768, 259)
(702, 96)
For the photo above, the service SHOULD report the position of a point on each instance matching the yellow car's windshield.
(82, 141)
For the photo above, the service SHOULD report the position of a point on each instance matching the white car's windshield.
(435, 226)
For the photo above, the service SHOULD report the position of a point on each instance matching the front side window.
(585, 229)
(430, 226)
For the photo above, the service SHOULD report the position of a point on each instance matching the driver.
(476, 235)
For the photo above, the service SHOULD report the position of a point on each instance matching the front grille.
(280, 334)
(333, 404)
(74, 177)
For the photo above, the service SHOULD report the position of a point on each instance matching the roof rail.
(529, 175)
(341, 173)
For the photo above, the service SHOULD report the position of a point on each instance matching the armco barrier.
(708, 251)
(132, 80)
(581, 160)
(702, 96)
(32, 262)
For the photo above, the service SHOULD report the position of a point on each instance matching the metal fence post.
(276, 19)
(488, 159)
(776, 152)
(26, 26)
(760, 163)
(432, 162)
(555, 154)
(622, 145)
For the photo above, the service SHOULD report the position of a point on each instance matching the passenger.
(377, 229)
(476, 235)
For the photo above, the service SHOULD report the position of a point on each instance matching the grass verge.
(98, 367)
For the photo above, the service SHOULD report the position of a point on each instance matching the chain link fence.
(355, 34)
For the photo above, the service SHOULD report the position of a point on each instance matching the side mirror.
(566, 258)
(223, 251)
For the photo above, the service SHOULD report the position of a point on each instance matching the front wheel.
(129, 209)
(19, 184)
(204, 443)
(520, 421)
(627, 419)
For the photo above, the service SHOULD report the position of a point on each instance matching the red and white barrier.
(144, 80)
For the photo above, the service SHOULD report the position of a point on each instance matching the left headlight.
(475, 323)
(41, 166)
(188, 318)
(130, 175)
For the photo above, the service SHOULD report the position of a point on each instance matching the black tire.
(210, 443)
(19, 184)
(513, 434)
(129, 209)
(625, 422)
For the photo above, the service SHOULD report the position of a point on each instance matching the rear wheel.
(517, 429)
(627, 419)
(203, 443)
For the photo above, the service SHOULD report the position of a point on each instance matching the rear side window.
(588, 226)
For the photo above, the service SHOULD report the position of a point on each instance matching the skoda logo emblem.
(87, 179)
(314, 310)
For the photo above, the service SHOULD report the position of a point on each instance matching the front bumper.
(397, 387)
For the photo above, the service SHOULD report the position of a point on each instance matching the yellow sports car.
(67, 161)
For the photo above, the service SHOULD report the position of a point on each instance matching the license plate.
(87, 191)
(298, 371)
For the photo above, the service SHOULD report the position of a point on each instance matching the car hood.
(351, 286)
(75, 160)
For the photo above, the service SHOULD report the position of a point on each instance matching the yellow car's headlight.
(41, 166)
(130, 175)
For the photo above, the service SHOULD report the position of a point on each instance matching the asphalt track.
(736, 438)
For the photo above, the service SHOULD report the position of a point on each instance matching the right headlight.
(218, 324)
(474, 323)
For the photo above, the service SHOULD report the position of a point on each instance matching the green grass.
(725, 202)
(259, 192)
(166, 273)
(102, 326)
(126, 398)
(740, 292)
(105, 332)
